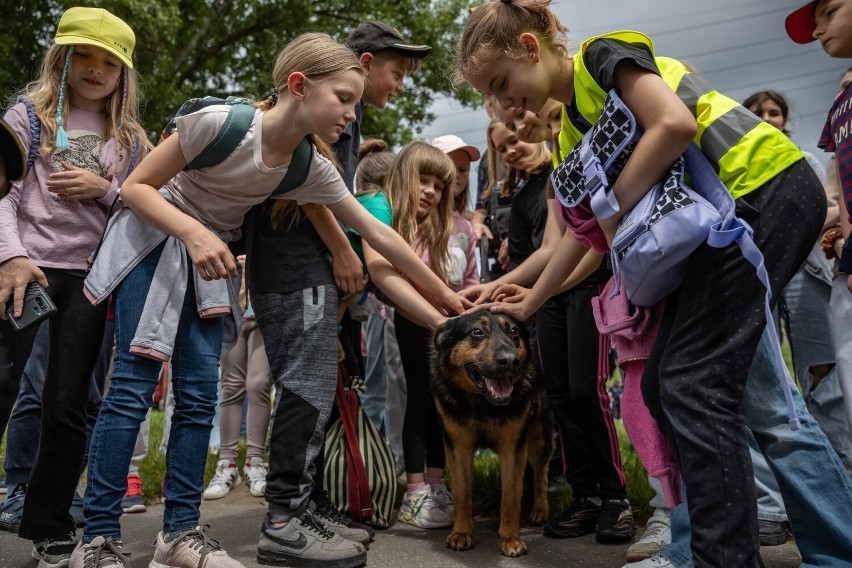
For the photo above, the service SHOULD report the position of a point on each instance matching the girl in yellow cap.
(79, 130)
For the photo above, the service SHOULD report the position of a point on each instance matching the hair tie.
(61, 135)
(506, 1)
(273, 97)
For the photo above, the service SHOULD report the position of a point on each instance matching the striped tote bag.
(359, 466)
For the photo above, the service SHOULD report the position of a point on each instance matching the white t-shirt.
(219, 196)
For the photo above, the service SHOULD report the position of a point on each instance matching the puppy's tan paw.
(538, 515)
(460, 541)
(512, 547)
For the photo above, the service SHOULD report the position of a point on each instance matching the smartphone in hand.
(37, 307)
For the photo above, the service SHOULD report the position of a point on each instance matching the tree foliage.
(187, 48)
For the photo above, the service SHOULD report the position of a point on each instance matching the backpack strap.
(35, 131)
(300, 167)
(237, 124)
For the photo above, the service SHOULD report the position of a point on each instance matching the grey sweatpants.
(299, 331)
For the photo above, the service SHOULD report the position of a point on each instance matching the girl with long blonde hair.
(78, 123)
(172, 237)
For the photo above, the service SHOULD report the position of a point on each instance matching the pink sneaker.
(193, 549)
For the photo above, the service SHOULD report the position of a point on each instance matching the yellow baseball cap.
(97, 27)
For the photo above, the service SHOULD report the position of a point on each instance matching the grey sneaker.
(54, 552)
(304, 541)
(340, 523)
(192, 549)
(99, 553)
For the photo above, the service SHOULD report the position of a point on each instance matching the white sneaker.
(658, 532)
(255, 472)
(653, 562)
(421, 509)
(225, 479)
(444, 498)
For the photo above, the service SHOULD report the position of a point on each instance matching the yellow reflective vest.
(744, 150)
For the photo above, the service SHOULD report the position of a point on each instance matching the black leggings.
(575, 368)
(422, 433)
(76, 331)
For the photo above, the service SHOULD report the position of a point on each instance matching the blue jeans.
(374, 399)
(816, 488)
(195, 376)
(770, 507)
(807, 303)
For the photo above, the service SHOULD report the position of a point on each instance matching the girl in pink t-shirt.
(78, 124)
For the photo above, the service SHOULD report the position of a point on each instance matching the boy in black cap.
(387, 58)
(13, 162)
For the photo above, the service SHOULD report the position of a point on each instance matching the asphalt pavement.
(235, 522)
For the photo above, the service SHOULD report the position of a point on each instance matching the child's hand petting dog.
(510, 293)
(480, 293)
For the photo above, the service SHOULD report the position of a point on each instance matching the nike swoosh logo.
(297, 544)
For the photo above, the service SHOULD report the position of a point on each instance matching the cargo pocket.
(313, 306)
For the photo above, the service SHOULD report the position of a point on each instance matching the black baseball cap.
(376, 36)
(12, 152)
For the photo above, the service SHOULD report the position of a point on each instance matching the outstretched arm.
(563, 262)
(348, 272)
(391, 246)
(400, 291)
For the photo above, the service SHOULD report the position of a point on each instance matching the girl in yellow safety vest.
(514, 50)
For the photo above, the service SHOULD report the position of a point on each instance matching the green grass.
(486, 475)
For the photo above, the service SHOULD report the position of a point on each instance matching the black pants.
(702, 357)
(575, 368)
(76, 331)
(422, 432)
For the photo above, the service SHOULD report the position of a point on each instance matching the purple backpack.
(655, 239)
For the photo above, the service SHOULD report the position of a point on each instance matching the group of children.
(74, 140)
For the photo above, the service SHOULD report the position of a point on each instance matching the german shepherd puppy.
(482, 382)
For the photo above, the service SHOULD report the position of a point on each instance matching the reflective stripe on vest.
(744, 150)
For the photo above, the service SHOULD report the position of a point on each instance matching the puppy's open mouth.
(498, 390)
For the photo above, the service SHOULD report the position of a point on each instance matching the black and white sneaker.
(305, 541)
(54, 552)
(616, 523)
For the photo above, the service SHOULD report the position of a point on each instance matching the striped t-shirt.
(836, 138)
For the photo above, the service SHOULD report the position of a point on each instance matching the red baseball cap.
(800, 24)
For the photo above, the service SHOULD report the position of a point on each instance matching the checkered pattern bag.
(655, 238)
